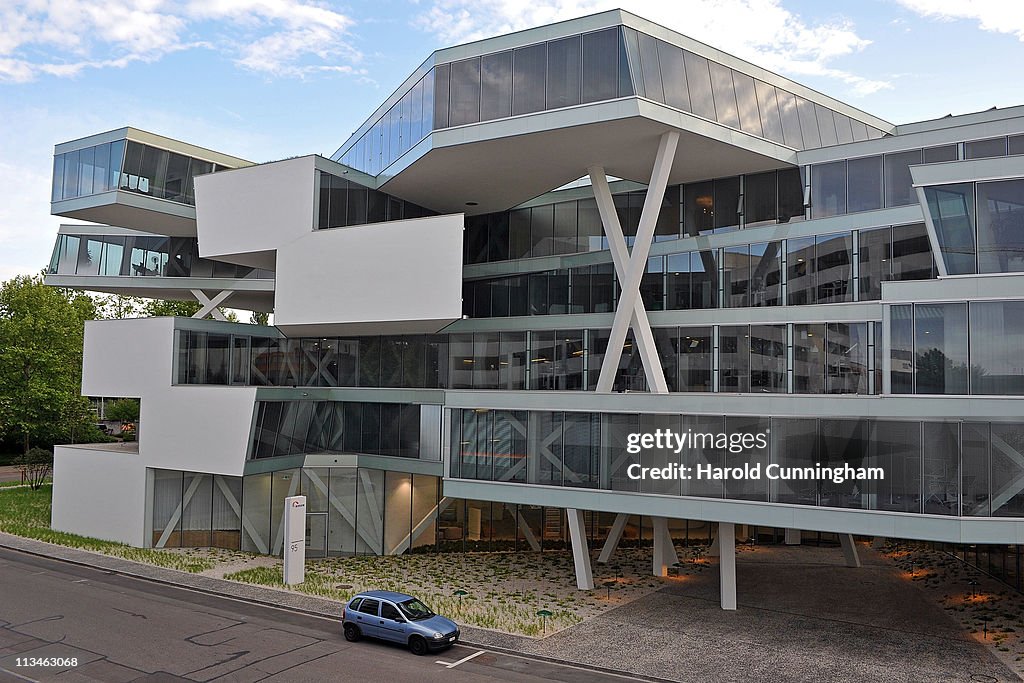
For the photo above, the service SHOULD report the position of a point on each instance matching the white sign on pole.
(294, 540)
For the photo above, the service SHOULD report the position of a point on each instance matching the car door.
(392, 624)
(367, 616)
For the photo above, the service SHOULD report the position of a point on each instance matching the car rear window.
(355, 603)
(369, 606)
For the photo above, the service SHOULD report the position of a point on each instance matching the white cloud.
(277, 37)
(997, 16)
(761, 31)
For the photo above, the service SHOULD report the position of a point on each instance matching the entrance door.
(316, 534)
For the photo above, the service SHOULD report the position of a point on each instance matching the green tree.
(118, 306)
(259, 318)
(41, 331)
(124, 410)
(153, 308)
(35, 465)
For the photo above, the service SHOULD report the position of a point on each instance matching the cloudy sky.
(267, 79)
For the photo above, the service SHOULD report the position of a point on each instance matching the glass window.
(727, 204)
(808, 123)
(983, 149)
(1001, 226)
(1007, 470)
(828, 189)
(542, 230)
(565, 228)
(760, 195)
(800, 275)
(833, 271)
(71, 174)
(154, 171)
(695, 351)
(698, 208)
(746, 100)
(441, 85)
(704, 279)
(57, 193)
(901, 349)
(1014, 145)
(563, 72)
(736, 276)
(896, 447)
(826, 125)
(497, 236)
(600, 61)
(844, 129)
(496, 86)
(652, 284)
(874, 257)
(86, 170)
(795, 443)
(465, 92)
(865, 184)
(899, 189)
(934, 155)
(589, 230)
(790, 119)
(101, 168)
(632, 46)
(673, 76)
(625, 80)
(734, 359)
(997, 335)
(529, 65)
(911, 253)
(698, 79)
(765, 274)
(940, 337)
(768, 358)
(519, 234)
(809, 358)
(768, 107)
(653, 88)
(952, 211)
(846, 360)
(791, 195)
(725, 95)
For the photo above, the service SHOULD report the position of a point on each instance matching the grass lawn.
(24, 512)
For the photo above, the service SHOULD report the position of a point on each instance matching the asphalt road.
(124, 629)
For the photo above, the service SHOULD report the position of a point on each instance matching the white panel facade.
(100, 493)
(244, 214)
(406, 275)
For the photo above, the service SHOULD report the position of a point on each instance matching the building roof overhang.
(495, 165)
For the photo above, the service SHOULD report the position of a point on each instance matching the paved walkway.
(10, 474)
(802, 616)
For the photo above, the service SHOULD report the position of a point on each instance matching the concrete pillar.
(580, 550)
(664, 550)
(614, 536)
(849, 550)
(727, 564)
(793, 536)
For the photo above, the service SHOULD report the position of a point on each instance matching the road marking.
(80, 581)
(19, 676)
(452, 665)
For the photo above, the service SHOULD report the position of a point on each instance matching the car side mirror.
(400, 620)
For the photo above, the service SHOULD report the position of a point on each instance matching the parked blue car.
(399, 618)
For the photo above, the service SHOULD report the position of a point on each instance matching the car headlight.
(438, 636)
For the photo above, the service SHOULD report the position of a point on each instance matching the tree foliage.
(35, 465)
(41, 330)
(123, 410)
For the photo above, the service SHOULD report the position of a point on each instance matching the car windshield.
(415, 610)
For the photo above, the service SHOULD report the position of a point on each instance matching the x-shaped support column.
(210, 305)
(629, 268)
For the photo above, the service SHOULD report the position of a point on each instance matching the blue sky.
(267, 79)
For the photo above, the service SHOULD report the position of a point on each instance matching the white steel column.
(664, 549)
(793, 536)
(727, 564)
(849, 550)
(614, 536)
(209, 306)
(580, 550)
(630, 266)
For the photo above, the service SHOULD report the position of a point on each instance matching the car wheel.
(352, 633)
(418, 646)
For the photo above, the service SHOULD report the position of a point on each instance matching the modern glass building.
(541, 247)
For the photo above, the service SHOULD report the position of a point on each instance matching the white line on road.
(452, 665)
(19, 676)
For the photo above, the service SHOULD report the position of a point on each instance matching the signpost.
(294, 540)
